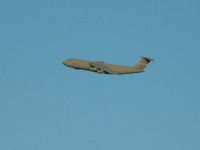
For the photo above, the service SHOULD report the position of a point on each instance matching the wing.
(101, 67)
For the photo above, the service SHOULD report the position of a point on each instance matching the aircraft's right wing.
(101, 66)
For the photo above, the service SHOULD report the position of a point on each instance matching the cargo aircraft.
(104, 68)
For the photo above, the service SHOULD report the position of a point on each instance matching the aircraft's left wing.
(102, 67)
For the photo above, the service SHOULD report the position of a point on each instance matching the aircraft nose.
(67, 62)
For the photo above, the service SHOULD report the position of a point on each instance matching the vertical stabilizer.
(144, 61)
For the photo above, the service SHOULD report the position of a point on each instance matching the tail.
(144, 61)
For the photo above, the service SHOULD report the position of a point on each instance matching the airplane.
(104, 68)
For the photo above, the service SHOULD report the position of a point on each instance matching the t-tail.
(143, 63)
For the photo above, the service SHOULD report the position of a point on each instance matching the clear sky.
(47, 106)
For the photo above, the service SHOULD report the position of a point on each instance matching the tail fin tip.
(148, 59)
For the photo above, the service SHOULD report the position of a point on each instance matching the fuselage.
(86, 65)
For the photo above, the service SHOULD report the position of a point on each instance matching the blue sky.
(44, 105)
